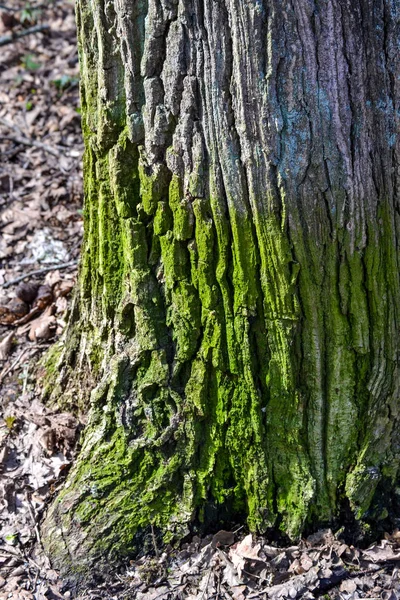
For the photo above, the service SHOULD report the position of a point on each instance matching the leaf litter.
(40, 234)
(41, 230)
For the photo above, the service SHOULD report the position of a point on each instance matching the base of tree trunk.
(159, 461)
(235, 333)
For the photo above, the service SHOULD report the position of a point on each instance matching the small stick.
(33, 515)
(27, 142)
(5, 372)
(72, 263)
(154, 541)
(21, 138)
(9, 9)
(11, 37)
(28, 317)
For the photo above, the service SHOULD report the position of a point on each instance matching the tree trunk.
(237, 319)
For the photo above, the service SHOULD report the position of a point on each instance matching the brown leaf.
(9, 20)
(14, 310)
(63, 288)
(296, 567)
(242, 552)
(53, 278)
(322, 537)
(246, 549)
(223, 538)
(47, 440)
(239, 592)
(306, 562)
(27, 292)
(5, 346)
(44, 297)
(43, 327)
(380, 554)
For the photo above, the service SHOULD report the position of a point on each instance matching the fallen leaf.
(243, 552)
(5, 346)
(27, 292)
(44, 297)
(63, 288)
(223, 538)
(246, 549)
(15, 310)
(43, 327)
(380, 554)
(322, 537)
(348, 586)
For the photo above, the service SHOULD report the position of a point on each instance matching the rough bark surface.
(237, 321)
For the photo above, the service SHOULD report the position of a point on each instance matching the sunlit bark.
(237, 321)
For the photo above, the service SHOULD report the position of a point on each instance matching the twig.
(23, 320)
(33, 517)
(27, 142)
(13, 126)
(154, 541)
(5, 372)
(72, 263)
(22, 138)
(206, 586)
(11, 37)
(9, 9)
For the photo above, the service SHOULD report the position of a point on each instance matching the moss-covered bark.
(235, 331)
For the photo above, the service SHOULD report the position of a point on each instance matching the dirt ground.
(41, 231)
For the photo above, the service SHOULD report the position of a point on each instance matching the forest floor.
(40, 236)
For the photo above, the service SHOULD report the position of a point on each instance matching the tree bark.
(236, 326)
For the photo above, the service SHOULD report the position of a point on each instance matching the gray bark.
(239, 292)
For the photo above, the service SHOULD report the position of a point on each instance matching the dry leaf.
(5, 346)
(348, 586)
(52, 278)
(13, 311)
(242, 552)
(380, 554)
(246, 549)
(27, 292)
(322, 537)
(47, 440)
(44, 297)
(63, 288)
(223, 538)
(43, 327)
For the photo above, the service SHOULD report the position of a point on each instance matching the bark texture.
(237, 321)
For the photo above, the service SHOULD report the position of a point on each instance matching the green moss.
(181, 207)
(162, 219)
(239, 363)
(153, 184)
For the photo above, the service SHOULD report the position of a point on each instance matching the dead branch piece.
(27, 142)
(72, 263)
(16, 362)
(8, 8)
(31, 7)
(27, 317)
(34, 518)
(21, 138)
(11, 37)
(154, 541)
